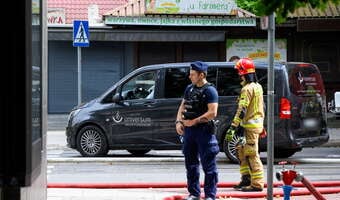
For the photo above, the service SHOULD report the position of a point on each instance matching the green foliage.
(280, 7)
(249, 5)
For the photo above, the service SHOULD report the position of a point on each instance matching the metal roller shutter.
(102, 65)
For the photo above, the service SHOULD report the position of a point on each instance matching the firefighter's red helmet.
(245, 66)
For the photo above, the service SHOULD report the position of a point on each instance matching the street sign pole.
(80, 39)
(79, 74)
(270, 108)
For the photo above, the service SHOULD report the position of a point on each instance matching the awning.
(141, 35)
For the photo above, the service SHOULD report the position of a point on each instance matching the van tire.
(284, 153)
(229, 149)
(138, 152)
(91, 142)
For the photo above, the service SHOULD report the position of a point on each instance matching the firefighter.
(249, 115)
(195, 123)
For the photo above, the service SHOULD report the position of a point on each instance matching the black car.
(138, 112)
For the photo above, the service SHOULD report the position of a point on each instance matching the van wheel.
(229, 149)
(284, 153)
(139, 152)
(91, 142)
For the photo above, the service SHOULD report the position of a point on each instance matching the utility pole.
(270, 108)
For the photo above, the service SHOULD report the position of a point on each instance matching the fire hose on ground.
(324, 187)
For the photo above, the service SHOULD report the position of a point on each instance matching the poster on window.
(257, 49)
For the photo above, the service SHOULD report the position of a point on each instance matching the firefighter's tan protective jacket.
(250, 102)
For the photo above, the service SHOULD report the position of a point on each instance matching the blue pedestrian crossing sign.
(81, 34)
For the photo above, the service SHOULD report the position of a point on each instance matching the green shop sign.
(173, 21)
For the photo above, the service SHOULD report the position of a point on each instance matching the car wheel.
(91, 142)
(139, 152)
(229, 149)
(284, 153)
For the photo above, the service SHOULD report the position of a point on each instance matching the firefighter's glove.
(241, 141)
(230, 133)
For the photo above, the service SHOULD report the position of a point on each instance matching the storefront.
(135, 35)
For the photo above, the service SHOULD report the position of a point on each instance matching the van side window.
(305, 80)
(211, 76)
(176, 80)
(228, 82)
(262, 78)
(140, 87)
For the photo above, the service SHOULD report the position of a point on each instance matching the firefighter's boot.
(250, 188)
(245, 181)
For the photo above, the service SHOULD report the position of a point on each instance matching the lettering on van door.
(137, 121)
(131, 121)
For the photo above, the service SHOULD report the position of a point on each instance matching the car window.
(140, 87)
(211, 76)
(228, 82)
(305, 80)
(262, 79)
(176, 80)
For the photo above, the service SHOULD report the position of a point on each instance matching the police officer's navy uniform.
(200, 144)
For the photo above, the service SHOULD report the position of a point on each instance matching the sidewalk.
(108, 194)
(157, 194)
(177, 191)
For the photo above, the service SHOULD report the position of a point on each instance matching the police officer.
(250, 115)
(194, 123)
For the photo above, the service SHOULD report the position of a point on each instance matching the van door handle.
(149, 103)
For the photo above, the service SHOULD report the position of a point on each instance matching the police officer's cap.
(199, 66)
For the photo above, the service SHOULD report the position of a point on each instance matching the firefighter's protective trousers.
(201, 145)
(250, 163)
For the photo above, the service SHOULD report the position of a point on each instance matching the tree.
(280, 7)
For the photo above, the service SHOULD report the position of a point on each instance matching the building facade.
(131, 35)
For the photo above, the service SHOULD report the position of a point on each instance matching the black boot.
(245, 181)
(250, 188)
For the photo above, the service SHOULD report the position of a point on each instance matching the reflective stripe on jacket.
(251, 102)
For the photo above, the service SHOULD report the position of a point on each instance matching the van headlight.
(72, 114)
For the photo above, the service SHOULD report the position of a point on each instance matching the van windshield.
(305, 80)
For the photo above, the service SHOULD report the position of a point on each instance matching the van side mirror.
(116, 98)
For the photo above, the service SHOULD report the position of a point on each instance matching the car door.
(174, 82)
(134, 115)
(228, 88)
